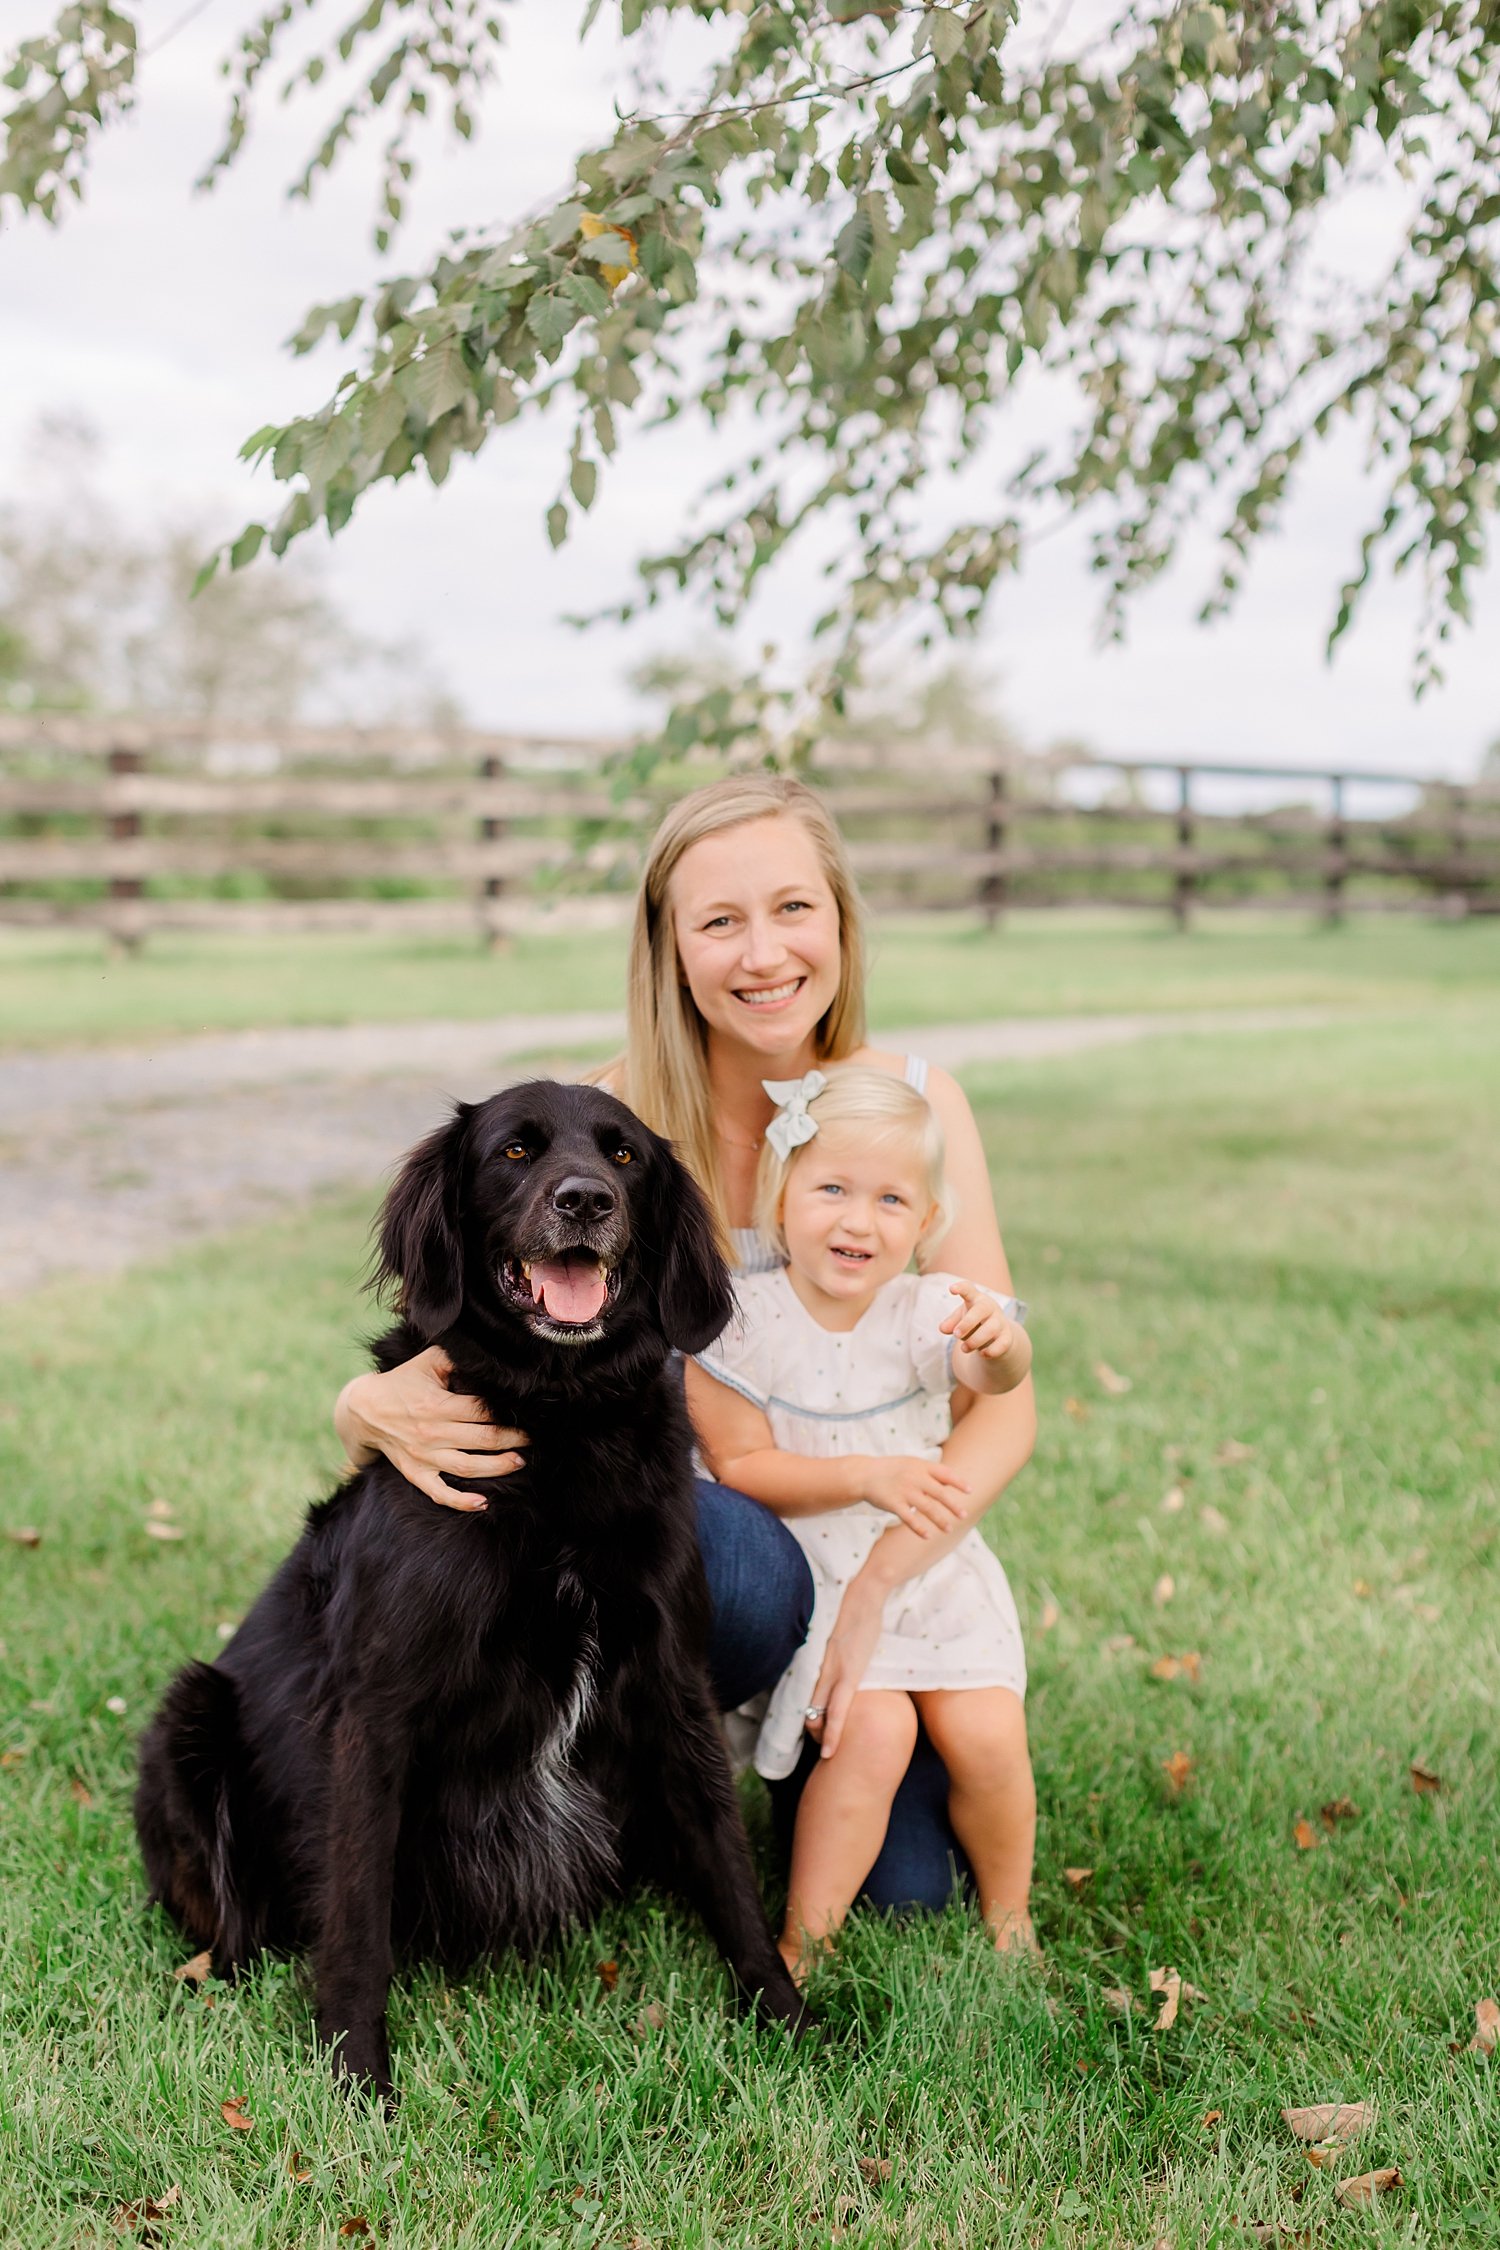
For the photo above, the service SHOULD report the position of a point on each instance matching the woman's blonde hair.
(663, 1074)
(884, 1109)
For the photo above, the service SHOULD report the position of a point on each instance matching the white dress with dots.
(883, 1387)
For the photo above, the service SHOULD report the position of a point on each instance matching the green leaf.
(439, 379)
(583, 479)
(549, 316)
(589, 295)
(246, 547)
(946, 34)
(557, 523)
(855, 244)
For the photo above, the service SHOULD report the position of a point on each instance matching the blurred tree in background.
(95, 616)
(852, 234)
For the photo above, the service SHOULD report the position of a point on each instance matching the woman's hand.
(424, 1429)
(921, 1494)
(851, 1644)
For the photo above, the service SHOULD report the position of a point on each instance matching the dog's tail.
(194, 1816)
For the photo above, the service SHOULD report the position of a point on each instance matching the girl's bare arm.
(735, 1440)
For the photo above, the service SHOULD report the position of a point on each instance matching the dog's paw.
(781, 2007)
(361, 2060)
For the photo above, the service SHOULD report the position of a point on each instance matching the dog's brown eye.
(516, 1152)
(624, 1156)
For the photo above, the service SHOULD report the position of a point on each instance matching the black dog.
(444, 1733)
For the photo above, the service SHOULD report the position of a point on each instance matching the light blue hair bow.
(792, 1127)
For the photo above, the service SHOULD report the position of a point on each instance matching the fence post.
(993, 888)
(1184, 881)
(1336, 868)
(126, 930)
(1458, 840)
(491, 768)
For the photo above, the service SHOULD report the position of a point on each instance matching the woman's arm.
(424, 1429)
(735, 1439)
(972, 1245)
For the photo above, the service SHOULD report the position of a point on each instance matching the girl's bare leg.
(842, 1819)
(980, 1735)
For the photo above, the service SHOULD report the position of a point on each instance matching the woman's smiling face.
(757, 930)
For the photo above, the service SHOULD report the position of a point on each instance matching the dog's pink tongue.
(568, 1290)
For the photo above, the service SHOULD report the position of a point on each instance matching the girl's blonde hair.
(883, 1108)
(663, 1074)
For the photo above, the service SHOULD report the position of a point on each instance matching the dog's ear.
(421, 1247)
(693, 1297)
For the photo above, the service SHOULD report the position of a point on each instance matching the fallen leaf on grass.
(80, 1792)
(1189, 1667)
(234, 2113)
(1120, 2001)
(298, 2166)
(651, 2018)
(1337, 1809)
(1110, 1379)
(875, 2168)
(143, 2218)
(1231, 1452)
(1306, 1837)
(1212, 1519)
(1486, 2027)
(1173, 1502)
(24, 1535)
(609, 1974)
(160, 1511)
(1329, 2121)
(1173, 1990)
(117, 1704)
(195, 1971)
(10, 1758)
(1359, 2193)
(1076, 1408)
(1178, 1770)
(1164, 1589)
(1363, 1588)
(1077, 1877)
(1425, 1782)
(1049, 1617)
(355, 2226)
(163, 1531)
(1119, 1644)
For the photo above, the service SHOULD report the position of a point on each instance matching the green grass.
(1289, 1242)
(62, 986)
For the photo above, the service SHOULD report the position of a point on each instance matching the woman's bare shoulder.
(876, 1058)
(943, 1090)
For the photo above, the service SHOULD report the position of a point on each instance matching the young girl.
(828, 1399)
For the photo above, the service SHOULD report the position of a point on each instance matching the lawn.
(1286, 1246)
(64, 986)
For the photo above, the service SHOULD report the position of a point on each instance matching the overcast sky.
(160, 316)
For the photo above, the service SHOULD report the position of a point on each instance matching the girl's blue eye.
(899, 1199)
(830, 1187)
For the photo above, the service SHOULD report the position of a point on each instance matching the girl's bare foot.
(1016, 1934)
(799, 1954)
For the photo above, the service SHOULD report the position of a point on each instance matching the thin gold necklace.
(751, 1148)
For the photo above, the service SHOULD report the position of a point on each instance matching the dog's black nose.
(581, 1199)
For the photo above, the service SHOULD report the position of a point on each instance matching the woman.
(747, 962)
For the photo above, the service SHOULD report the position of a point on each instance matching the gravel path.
(109, 1155)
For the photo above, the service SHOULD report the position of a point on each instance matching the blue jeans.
(762, 1595)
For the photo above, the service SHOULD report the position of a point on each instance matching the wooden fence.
(160, 824)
